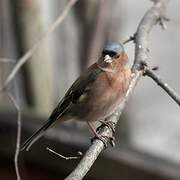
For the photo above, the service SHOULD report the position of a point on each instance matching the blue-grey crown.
(113, 47)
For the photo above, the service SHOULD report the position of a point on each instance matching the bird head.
(113, 55)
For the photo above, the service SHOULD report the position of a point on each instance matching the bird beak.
(107, 59)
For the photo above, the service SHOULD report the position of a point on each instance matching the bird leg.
(96, 135)
(106, 123)
(111, 126)
(101, 137)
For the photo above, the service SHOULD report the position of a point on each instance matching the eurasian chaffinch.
(96, 94)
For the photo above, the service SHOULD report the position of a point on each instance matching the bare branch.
(18, 137)
(141, 53)
(31, 51)
(163, 85)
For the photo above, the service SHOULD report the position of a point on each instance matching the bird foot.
(108, 124)
(104, 138)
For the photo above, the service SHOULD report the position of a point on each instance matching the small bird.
(95, 95)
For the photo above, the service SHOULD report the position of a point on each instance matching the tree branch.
(31, 51)
(141, 54)
(165, 86)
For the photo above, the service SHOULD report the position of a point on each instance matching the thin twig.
(162, 84)
(131, 38)
(7, 60)
(141, 53)
(18, 137)
(61, 156)
(31, 51)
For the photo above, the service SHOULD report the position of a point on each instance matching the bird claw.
(112, 141)
(108, 124)
(104, 138)
(101, 138)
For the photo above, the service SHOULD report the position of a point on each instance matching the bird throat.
(108, 68)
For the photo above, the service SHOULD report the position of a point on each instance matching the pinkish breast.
(108, 95)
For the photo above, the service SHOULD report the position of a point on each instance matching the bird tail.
(38, 134)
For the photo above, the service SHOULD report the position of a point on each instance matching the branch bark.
(151, 17)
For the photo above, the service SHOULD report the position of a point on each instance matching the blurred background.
(148, 134)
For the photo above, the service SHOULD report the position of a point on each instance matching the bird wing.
(73, 94)
(75, 91)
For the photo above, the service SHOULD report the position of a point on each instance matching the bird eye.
(117, 56)
(110, 53)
